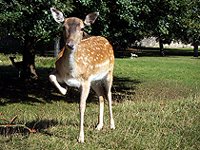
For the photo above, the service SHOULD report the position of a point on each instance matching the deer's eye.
(82, 29)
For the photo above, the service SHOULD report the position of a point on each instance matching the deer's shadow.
(14, 90)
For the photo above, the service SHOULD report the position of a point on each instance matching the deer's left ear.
(90, 18)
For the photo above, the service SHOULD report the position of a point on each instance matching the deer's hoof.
(81, 139)
(99, 127)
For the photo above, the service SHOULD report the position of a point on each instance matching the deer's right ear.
(57, 15)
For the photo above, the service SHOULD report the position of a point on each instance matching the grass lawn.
(156, 106)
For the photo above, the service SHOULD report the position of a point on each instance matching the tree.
(121, 21)
(187, 23)
(177, 20)
(125, 21)
(118, 20)
(31, 22)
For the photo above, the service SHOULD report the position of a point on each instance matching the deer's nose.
(70, 44)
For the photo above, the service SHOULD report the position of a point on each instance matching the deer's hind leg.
(108, 85)
(100, 91)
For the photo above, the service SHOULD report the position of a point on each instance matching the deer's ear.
(90, 18)
(57, 15)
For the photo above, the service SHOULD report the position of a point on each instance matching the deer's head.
(73, 27)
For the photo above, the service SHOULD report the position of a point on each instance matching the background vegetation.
(121, 21)
(166, 19)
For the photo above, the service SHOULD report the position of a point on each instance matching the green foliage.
(122, 21)
(31, 18)
(189, 22)
(125, 21)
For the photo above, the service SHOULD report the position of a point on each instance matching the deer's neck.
(69, 59)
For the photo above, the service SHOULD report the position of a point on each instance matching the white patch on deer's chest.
(71, 60)
(71, 75)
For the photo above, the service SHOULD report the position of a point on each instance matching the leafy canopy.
(31, 18)
(122, 21)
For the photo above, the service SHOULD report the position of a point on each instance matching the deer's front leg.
(85, 88)
(53, 79)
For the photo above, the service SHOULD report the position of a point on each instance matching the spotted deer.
(84, 63)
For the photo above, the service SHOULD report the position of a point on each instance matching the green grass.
(156, 106)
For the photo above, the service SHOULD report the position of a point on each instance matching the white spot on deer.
(91, 67)
(85, 63)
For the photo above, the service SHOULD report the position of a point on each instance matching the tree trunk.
(162, 52)
(28, 70)
(195, 49)
(56, 46)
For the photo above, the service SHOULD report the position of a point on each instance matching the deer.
(85, 63)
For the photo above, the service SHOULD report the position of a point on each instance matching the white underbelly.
(98, 76)
(73, 82)
(77, 83)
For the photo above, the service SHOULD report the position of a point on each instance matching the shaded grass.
(156, 106)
